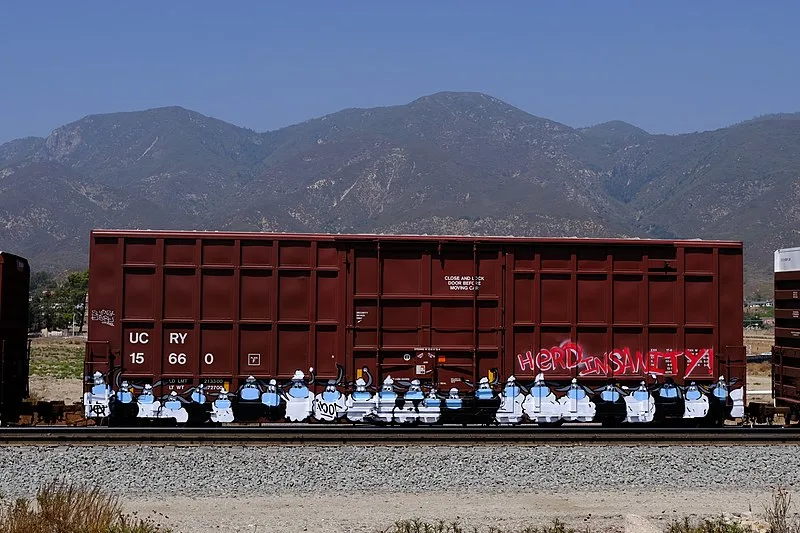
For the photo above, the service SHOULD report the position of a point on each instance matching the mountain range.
(464, 163)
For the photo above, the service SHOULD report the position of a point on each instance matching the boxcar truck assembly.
(208, 327)
(786, 351)
(14, 348)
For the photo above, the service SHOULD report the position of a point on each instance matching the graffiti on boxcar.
(104, 316)
(569, 356)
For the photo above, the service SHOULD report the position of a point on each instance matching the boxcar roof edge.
(405, 236)
(9, 255)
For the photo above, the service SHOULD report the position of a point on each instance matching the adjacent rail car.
(309, 326)
(14, 348)
(786, 351)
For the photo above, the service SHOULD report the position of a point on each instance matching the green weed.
(708, 525)
(57, 359)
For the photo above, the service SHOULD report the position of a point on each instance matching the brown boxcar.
(14, 353)
(202, 307)
(786, 351)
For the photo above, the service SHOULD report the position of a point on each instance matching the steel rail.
(338, 435)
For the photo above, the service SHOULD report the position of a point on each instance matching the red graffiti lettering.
(558, 357)
(526, 361)
(569, 356)
(544, 361)
(573, 355)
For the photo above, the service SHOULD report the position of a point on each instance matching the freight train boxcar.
(786, 351)
(174, 310)
(14, 353)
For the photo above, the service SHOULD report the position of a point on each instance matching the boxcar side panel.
(426, 311)
(627, 311)
(214, 307)
(179, 310)
(730, 315)
(786, 351)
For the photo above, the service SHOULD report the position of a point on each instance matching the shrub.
(708, 525)
(777, 513)
(63, 508)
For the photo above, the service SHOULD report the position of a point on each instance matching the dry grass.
(778, 514)
(758, 342)
(759, 369)
(64, 508)
(57, 358)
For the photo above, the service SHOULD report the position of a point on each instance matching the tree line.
(56, 303)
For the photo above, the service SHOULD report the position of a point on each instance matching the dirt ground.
(601, 508)
(56, 367)
(758, 342)
(55, 389)
(759, 378)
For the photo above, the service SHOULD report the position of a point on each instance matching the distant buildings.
(758, 304)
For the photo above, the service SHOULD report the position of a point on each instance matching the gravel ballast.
(257, 471)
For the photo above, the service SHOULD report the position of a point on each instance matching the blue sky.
(668, 67)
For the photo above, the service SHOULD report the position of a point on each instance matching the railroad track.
(288, 435)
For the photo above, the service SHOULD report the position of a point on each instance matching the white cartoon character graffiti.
(385, 401)
(669, 400)
(541, 405)
(196, 406)
(330, 404)
(453, 400)
(198, 395)
(299, 401)
(576, 405)
(695, 402)
(610, 406)
(640, 406)
(173, 408)
(720, 392)
(249, 391)
(511, 398)
(484, 391)
(486, 402)
(97, 401)
(270, 396)
(222, 409)
(737, 395)
(430, 409)
(359, 403)
(124, 394)
(272, 400)
(406, 411)
(147, 403)
(248, 405)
